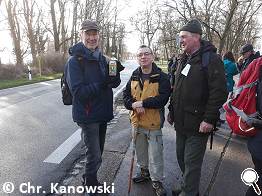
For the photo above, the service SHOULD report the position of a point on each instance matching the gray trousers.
(149, 152)
(190, 153)
(93, 135)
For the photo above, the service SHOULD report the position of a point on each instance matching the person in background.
(248, 53)
(172, 69)
(230, 70)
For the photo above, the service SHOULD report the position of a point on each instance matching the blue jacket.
(87, 75)
(230, 71)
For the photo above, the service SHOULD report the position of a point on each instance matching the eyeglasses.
(146, 54)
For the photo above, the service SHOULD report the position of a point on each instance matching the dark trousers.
(258, 168)
(93, 135)
(190, 152)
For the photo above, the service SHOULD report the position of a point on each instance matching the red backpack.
(241, 112)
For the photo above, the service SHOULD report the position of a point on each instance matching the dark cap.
(246, 48)
(193, 26)
(89, 25)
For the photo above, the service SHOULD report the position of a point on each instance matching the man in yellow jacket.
(146, 94)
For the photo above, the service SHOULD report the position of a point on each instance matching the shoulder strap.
(205, 60)
(81, 62)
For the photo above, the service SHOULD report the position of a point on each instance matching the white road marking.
(119, 91)
(64, 149)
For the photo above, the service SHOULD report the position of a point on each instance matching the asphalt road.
(36, 133)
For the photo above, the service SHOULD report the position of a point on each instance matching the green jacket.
(198, 96)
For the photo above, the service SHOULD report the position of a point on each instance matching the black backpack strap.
(81, 62)
(205, 57)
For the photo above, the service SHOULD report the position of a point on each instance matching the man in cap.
(199, 91)
(87, 76)
(248, 55)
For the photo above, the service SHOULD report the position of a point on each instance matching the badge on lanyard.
(186, 70)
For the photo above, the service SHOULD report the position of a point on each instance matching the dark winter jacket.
(255, 143)
(198, 96)
(248, 61)
(87, 78)
(154, 93)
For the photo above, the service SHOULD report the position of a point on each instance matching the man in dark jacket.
(248, 54)
(255, 142)
(91, 87)
(199, 91)
(146, 95)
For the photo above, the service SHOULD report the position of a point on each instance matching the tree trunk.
(73, 30)
(233, 8)
(15, 34)
(28, 15)
(55, 29)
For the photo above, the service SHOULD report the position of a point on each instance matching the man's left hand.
(205, 127)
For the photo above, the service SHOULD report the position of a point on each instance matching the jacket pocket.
(193, 116)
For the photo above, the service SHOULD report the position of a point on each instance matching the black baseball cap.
(246, 48)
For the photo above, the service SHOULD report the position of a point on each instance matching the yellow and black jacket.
(153, 92)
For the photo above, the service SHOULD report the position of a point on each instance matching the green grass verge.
(24, 81)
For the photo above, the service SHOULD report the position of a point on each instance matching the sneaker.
(142, 176)
(158, 188)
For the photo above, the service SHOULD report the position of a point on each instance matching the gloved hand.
(120, 67)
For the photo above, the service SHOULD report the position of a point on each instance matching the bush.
(53, 63)
(50, 63)
(7, 71)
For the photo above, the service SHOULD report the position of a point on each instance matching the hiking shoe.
(158, 188)
(142, 176)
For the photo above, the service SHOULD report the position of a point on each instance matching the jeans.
(258, 168)
(93, 136)
(149, 152)
(190, 153)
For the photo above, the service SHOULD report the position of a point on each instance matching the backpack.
(241, 109)
(66, 93)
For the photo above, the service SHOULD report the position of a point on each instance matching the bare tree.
(74, 22)
(29, 15)
(13, 22)
(147, 22)
(55, 31)
(220, 19)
